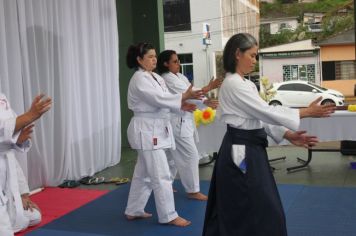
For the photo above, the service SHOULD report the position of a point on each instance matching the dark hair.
(163, 57)
(134, 51)
(243, 42)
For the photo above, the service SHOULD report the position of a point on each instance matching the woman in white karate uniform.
(243, 196)
(150, 133)
(185, 158)
(15, 132)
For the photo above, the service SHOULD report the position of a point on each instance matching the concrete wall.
(344, 86)
(337, 52)
(273, 68)
(226, 17)
(191, 41)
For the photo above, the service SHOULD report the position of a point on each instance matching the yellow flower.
(207, 116)
(351, 107)
(197, 117)
(265, 81)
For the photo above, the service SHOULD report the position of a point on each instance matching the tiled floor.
(325, 169)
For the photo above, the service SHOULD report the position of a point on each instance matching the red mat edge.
(75, 196)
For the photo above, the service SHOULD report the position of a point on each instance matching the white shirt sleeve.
(275, 132)
(253, 105)
(24, 147)
(179, 84)
(156, 96)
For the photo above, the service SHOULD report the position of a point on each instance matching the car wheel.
(327, 101)
(275, 103)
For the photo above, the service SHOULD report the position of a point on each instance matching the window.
(328, 70)
(285, 26)
(318, 87)
(299, 72)
(287, 87)
(176, 15)
(338, 70)
(186, 63)
(303, 88)
(345, 69)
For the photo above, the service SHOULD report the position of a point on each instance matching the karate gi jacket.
(148, 97)
(10, 193)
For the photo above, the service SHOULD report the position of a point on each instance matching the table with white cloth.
(339, 126)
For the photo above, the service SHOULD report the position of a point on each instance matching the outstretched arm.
(301, 139)
(317, 110)
(38, 108)
(213, 84)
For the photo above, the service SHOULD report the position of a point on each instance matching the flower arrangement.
(205, 116)
(197, 117)
(351, 107)
(266, 89)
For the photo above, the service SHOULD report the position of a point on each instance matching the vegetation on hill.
(278, 9)
(334, 20)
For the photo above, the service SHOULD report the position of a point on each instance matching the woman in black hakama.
(249, 204)
(243, 197)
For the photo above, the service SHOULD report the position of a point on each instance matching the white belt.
(6, 147)
(157, 115)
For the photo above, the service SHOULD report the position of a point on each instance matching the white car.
(300, 93)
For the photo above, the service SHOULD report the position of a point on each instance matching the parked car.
(300, 93)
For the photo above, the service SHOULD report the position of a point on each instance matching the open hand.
(25, 134)
(301, 139)
(188, 107)
(28, 204)
(192, 94)
(213, 103)
(214, 83)
(39, 106)
(317, 110)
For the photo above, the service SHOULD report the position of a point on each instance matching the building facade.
(185, 21)
(339, 62)
(276, 25)
(292, 61)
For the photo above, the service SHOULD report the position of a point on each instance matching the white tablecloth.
(339, 126)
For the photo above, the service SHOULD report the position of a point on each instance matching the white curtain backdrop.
(67, 49)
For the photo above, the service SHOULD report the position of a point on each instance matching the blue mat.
(317, 211)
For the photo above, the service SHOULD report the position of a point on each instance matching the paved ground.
(326, 168)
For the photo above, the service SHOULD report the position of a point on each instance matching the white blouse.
(241, 106)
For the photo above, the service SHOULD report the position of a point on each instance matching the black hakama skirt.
(244, 203)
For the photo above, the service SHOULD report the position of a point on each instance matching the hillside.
(338, 17)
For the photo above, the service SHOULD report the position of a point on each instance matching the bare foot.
(144, 216)
(180, 222)
(198, 196)
(175, 190)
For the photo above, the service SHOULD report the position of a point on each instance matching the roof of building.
(345, 37)
(304, 45)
